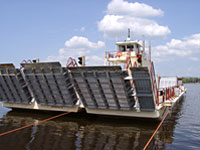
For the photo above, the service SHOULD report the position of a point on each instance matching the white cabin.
(128, 54)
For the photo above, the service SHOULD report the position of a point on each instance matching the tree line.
(191, 80)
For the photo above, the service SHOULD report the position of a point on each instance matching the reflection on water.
(81, 131)
(3, 110)
(87, 132)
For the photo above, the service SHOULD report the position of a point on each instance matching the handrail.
(71, 62)
(111, 51)
(29, 61)
(168, 93)
(135, 64)
(113, 54)
(153, 80)
(25, 62)
(128, 60)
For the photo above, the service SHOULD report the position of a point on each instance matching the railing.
(154, 85)
(71, 62)
(26, 62)
(128, 60)
(110, 54)
(168, 93)
(118, 54)
(115, 54)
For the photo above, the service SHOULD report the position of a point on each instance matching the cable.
(11, 131)
(156, 130)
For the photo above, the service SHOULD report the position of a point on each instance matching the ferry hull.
(157, 114)
(103, 90)
(36, 106)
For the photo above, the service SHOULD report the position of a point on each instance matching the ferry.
(126, 85)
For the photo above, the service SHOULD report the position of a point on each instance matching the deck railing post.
(163, 95)
(157, 97)
(166, 93)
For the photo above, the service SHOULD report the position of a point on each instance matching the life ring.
(119, 54)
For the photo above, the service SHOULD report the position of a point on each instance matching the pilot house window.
(130, 47)
(122, 48)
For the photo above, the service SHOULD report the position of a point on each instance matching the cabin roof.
(128, 43)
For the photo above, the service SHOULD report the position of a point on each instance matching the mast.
(143, 44)
(149, 50)
(129, 35)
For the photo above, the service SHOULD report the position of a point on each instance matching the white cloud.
(121, 7)
(115, 26)
(82, 42)
(95, 60)
(79, 46)
(82, 29)
(122, 15)
(194, 58)
(189, 46)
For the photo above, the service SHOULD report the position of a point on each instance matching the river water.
(181, 130)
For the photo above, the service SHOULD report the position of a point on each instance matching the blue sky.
(55, 30)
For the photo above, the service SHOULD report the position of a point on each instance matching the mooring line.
(156, 130)
(11, 131)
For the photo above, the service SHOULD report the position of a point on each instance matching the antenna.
(143, 43)
(129, 35)
(149, 50)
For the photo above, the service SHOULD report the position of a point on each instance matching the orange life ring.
(119, 54)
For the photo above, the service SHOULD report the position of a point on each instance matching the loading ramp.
(103, 87)
(99, 87)
(13, 88)
(50, 83)
(142, 81)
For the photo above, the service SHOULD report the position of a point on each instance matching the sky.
(56, 30)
